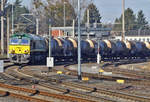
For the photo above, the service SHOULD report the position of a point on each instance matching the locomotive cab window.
(14, 41)
(25, 41)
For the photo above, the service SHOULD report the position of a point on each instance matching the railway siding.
(110, 93)
(63, 97)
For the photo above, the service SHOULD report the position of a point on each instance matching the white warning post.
(50, 61)
(1, 66)
(98, 58)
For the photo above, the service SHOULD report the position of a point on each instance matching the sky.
(110, 9)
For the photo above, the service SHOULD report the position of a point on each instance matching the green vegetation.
(141, 20)
(131, 21)
(94, 14)
(18, 20)
(52, 12)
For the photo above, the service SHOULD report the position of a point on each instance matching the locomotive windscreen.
(16, 41)
(24, 41)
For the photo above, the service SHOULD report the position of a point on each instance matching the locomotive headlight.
(12, 51)
(26, 51)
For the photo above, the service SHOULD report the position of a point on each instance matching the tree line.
(48, 12)
(52, 12)
(132, 22)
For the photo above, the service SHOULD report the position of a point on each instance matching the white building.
(134, 38)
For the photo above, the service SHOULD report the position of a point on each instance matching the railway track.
(130, 73)
(100, 91)
(112, 93)
(106, 92)
(37, 92)
(58, 88)
(6, 60)
(27, 78)
(110, 67)
(133, 81)
(19, 96)
(78, 93)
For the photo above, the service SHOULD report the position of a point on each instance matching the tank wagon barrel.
(88, 49)
(70, 48)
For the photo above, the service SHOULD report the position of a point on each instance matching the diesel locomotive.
(27, 48)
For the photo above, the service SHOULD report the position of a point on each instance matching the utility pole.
(37, 26)
(64, 16)
(2, 28)
(49, 40)
(50, 60)
(12, 18)
(7, 36)
(88, 22)
(79, 43)
(123, 20)
(73, 26)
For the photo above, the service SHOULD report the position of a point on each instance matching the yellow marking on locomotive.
(74, 42)
(59, 41)
(19, 49)
(91, 43)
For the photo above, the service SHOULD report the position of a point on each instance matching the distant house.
(134, 38)
(57, 33)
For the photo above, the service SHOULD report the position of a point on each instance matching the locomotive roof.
(26, 35)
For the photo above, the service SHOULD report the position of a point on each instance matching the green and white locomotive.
(27, 48)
